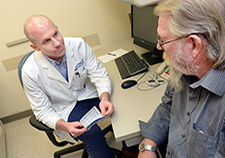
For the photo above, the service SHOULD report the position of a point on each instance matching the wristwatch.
(143, 147)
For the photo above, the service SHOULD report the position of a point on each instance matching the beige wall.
(106, 18)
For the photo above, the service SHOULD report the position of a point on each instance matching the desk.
(130, 104)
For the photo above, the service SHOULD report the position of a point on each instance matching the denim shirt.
(193, 120)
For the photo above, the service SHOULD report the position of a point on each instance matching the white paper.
(91, 118)
(112, 55)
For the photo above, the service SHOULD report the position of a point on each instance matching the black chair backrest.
(22, 61)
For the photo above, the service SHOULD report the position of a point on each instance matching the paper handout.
(91, 118)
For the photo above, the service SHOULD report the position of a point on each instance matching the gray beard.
(179, 66)
(175, 79)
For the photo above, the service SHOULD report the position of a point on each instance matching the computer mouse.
(128, 84)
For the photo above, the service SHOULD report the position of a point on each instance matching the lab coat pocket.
(79, 80)
(200, 144)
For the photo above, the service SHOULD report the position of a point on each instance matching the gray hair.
(206, 17)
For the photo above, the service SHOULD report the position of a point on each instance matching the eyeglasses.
(162, 43)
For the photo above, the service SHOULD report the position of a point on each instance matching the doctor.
(63, 80)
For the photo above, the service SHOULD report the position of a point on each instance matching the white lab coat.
(51, 96)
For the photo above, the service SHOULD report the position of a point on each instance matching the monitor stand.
(153, 57)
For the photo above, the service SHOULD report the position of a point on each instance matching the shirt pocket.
(200, 144)
(222, 139)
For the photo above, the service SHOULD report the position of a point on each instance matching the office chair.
(40, 126)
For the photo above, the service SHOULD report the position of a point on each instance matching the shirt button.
(188, 113)
(183, 135)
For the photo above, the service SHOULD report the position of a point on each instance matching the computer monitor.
(144, 32)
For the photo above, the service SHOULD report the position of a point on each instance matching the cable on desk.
(141, 89)
(142, 76)
(152, 83)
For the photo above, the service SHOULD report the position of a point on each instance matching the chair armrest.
(39, 125)
(49, 131)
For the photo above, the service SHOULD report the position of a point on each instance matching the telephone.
(162, 68)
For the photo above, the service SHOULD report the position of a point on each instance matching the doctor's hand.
(107, 108)
(74, 128)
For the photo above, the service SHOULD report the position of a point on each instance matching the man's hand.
(147, 153)
(107, 108)
(74, 128)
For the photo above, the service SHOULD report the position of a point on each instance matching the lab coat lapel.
(70, 67)
(50, 70)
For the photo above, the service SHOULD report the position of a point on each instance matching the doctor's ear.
(34, 47)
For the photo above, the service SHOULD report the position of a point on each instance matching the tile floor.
(23, 141)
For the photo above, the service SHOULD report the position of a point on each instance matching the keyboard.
(130, 64)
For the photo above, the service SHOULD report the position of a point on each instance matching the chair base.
(82, 146)
(71, 149)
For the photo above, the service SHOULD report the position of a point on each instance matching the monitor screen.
(144, 31)
(144, 26)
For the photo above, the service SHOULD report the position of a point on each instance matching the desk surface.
(130, 104)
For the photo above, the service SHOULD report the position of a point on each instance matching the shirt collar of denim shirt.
(212, 81)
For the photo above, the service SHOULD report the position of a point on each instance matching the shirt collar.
(214, 81)
(54, 62)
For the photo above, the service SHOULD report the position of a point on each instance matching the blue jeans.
(94, 138)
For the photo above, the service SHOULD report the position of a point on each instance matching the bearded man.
(191, 116)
